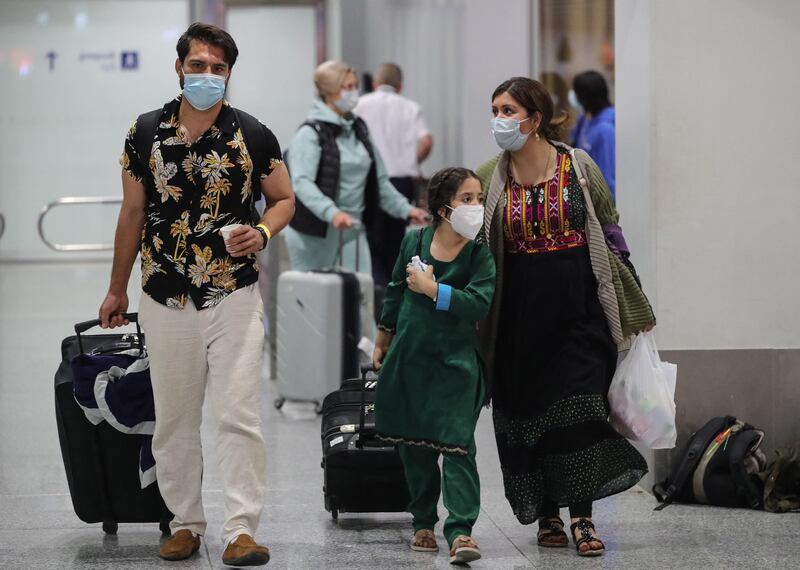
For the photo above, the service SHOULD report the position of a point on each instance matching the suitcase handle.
(363, 412)
(338, 261)
(86, 325)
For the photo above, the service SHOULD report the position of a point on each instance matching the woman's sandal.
(464, 550)
(424, 541)
(585, 526)
(551, 533)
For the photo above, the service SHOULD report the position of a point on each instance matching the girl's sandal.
(585, 526)
(551, 533)
(424, 541)
(464, 550)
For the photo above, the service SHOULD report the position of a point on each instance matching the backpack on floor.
(782, 481)
(719, 466)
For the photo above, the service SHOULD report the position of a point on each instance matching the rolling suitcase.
(361, 474)
(102, 463)
(321, 318)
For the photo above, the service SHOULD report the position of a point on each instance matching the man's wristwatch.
(262, 229)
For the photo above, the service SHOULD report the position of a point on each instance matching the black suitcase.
(102, 464)
(362, 474)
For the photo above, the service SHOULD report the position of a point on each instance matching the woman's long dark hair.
(535, 98)
(592, 91)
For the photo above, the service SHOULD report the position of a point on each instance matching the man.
(201, 308)
(403, 140)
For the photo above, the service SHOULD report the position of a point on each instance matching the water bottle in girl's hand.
(418, 264)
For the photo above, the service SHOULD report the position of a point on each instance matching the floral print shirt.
(192, 191)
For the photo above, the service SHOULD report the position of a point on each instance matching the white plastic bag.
(642, 395)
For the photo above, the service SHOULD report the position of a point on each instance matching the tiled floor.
(38, 529)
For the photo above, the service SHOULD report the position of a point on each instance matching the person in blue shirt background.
(594, 131)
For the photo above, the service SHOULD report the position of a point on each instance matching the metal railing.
(73, 200)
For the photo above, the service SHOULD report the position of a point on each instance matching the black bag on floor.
(102, 463)
(782, 481)
(362, 475)
(719, 467)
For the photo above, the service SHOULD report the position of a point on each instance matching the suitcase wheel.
(332, 506)
(110, 527)
(279, 403)
(164, 528)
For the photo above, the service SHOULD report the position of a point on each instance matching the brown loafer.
(180, 545)
(245, 552)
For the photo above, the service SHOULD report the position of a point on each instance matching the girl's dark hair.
(442, 188)
(591, 90)
(211, 35)
(535, 98)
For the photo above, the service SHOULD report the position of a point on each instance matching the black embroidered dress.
(555, 357)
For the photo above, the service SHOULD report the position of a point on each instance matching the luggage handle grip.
(86, 325)
(339, 259)
(363, 410)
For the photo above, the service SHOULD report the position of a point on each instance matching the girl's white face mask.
(467, 220)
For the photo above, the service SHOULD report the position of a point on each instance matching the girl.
(431, 385)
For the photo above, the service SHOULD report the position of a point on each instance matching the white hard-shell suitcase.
(321, 318)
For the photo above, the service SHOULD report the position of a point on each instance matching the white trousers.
(219, 349)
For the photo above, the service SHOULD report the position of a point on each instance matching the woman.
(338, 177)
(595, 130)
(431, 385)
(552, 335)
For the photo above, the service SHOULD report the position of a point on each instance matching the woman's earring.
(538, 137)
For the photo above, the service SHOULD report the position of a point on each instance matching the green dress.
(431, 385)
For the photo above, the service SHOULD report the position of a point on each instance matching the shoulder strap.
(256, 141)
(667, 491)
(146, 129)
(475, 245)
(745, 442)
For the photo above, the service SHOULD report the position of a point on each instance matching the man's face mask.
(203, 90)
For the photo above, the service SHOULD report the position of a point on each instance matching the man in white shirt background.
(401, 136)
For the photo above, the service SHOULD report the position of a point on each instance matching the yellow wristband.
(266, 230)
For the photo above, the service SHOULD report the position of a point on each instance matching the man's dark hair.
(443, 187)
(211, 35)
(592, 91)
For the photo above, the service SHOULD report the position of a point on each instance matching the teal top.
(430, 389)
(309, 252)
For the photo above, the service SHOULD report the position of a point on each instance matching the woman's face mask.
(466, 220)
(507, 133)
(348, 100)
(572, 99)
(203, 90)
